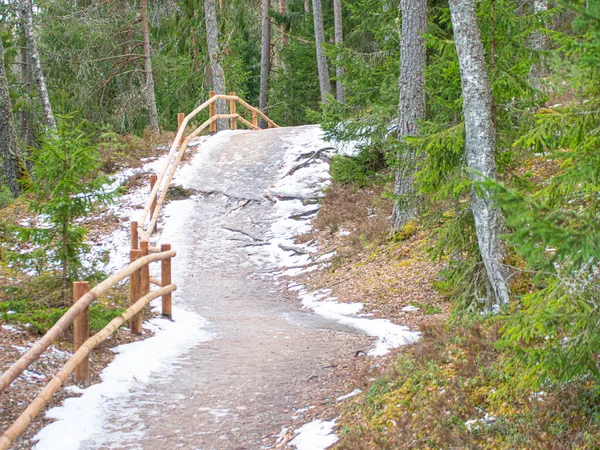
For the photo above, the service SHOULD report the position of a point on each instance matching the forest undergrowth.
(458, 386)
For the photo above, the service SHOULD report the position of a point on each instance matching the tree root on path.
(296, 250)
(229, 196)
(304, 214)
(233, 230)
(313, 156)
(246, 202)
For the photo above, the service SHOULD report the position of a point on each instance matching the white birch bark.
(149, 88)
(411, 107)
(38, 74)
(265, 62)
(9, 143)
(215, 55)
(324, 83)
(340, 94)
(480, 143)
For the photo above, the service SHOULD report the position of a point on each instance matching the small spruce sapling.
(65, 186)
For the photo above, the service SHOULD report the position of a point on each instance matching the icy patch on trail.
(88, 420)
(316, 435)
(127, 208)
(84, 419)
(302, 180)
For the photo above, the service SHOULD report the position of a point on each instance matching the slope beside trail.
(255, 359)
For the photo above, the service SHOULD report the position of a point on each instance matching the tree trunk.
(321, 59)
(411, 107)
(480, 139)
(150, 97)
(25, 115)
(214, 53)
(32, 47)
(265, 62)
(282, 26)
(539, 43)
(340, 94)
(9, 144)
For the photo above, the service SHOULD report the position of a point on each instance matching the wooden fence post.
(180, 118)
(81, 333)
(133, 234)
(212, 111)
(233, 110)
(153, 179)
(254, 118)
(165, 280)
(135, 323)
(145, 271)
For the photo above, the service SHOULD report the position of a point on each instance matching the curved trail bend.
(266, 358)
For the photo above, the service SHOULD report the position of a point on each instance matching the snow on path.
(308, 183)
(85, 418)
(315, 435)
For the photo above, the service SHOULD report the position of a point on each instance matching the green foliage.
(361, 170)
(65, 186)
(37, 305)
(407, 231)
(552, 334)
(449, 391)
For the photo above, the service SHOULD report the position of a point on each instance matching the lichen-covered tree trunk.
(34, 55)
(340, 94)
(411, 107)
(9, 144)
(265, 61)
(480, 142)
(150, 97)
(322, 66)
(214, 54)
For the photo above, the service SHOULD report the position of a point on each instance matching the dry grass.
(369, 267)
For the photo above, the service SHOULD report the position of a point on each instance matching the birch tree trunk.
(265, 61)
(214, 53)
(322, 67)
(411, 107)
(480, 143)
(340, 94)
(32, 47)
(150, 97)
(9, 144)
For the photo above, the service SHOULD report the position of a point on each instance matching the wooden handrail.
(163, 254)
(68, 368)
(181, 144)
(67, 318)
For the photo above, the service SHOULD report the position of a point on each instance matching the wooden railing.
(155, 201)
(138, 272)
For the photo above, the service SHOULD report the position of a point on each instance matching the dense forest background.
(480, 120)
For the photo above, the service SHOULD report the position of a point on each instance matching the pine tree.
(65, 186)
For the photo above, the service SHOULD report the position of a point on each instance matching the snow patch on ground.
(129, 207)
(85, 419)
(294, 194)
(315, 435)
(349, 395)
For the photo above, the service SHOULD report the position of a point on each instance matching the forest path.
(268, 358)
